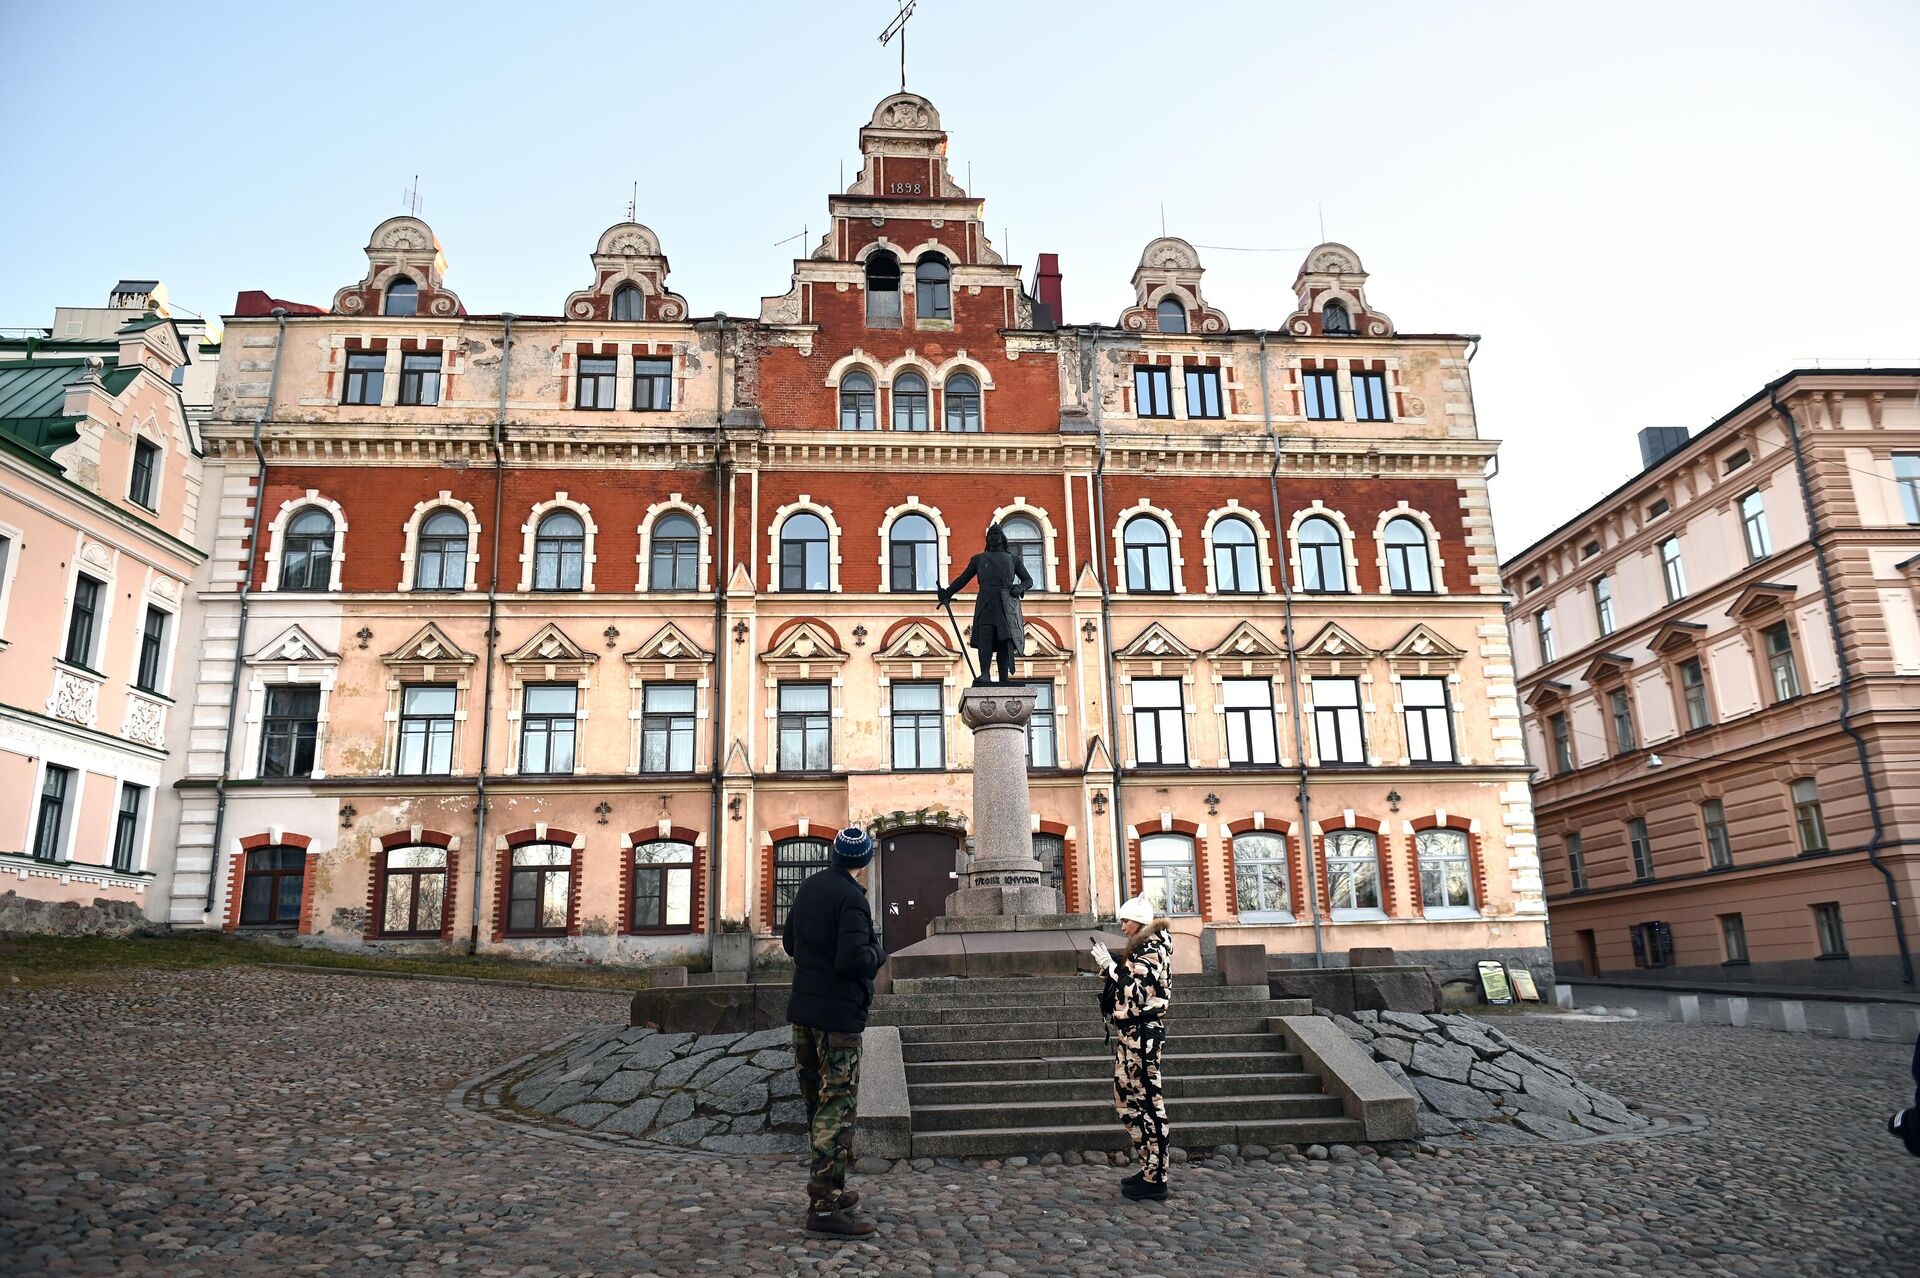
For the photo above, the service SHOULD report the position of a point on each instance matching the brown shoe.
(839, 1223)
(845, 1200)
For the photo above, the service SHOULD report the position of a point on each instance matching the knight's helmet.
(996, 538)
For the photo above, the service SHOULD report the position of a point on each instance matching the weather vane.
(898, 27)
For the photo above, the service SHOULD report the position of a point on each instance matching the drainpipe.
(279, 313)
(1814, 535)
(1106, 619)
(723, 528)
(1293, 667)
(493, 639)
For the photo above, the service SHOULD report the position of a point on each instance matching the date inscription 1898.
(903, 188)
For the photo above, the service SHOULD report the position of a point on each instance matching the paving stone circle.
(723, 1093)
(1474, 1081)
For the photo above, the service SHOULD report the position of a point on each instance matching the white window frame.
(1339, 522)
(1227, 705)
(276, 544)
(1179, 712)
(1427, 714)
(1049, 543)
(14, 539)
(675, 504)
(1357, 709)
(1353, 913)
(1262, 547)
(943, 568)
(409, 556)
(803, 502)
(1472, 908)
(1176, 561)
(529, 534)
(1436, 562)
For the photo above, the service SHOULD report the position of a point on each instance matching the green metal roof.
(32, 394)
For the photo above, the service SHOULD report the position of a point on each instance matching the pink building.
(99, 488)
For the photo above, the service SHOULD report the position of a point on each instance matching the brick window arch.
(537, 883)
(663, 880)
(1359, 845)
(255, 882)
(1476, 863)
(410, 888)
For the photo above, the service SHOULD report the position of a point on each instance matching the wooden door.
(916, 875)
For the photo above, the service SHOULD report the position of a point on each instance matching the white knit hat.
(1139, 910)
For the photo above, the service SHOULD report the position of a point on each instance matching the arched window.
(1149, 556)
(856, 402)
(272, 889)
(1170, 316)
(306, 551)
(910, 402)
(913, 549)
(1353, 871)
(1323, 562)
(1166, 874)
(403, 297)
(1025, 540)
(803, 553)
(1236, 568)
(413, 891)
(440, 552)
(540, 883)
(1260, 873)
(932, 294)
(883, 290)
(1446, 872)
(662, 886)
(559, 551)
(676, 553)
(628, 304)
(1409, 567)
(793, 861)
(963, 402)
(1335, 321)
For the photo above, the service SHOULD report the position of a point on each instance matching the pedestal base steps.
(1022, 1066)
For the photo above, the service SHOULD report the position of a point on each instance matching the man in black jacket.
(835, 953)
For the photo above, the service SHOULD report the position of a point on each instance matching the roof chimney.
(1659, 442)
(1046, 292)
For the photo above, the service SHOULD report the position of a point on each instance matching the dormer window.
(627, 303)
(932, 293)
(883, 290)
(1170, 316)
(1335, 321)
(403, 297)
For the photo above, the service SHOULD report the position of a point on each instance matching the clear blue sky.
(1646, 209)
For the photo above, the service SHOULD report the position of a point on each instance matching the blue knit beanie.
(852, 848)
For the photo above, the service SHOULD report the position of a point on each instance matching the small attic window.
(1335, 321)
(1533, 584)
(1589, 550)
(1658, 509)
(883, 290)
(1170, 316)
(626, 303)
(1736, 460)
(403, 297)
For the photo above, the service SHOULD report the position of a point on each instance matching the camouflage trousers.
(829, 1084)
(1137, 1095)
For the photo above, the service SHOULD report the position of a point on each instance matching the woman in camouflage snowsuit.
(1139, 986)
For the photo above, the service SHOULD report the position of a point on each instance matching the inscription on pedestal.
(997, 880)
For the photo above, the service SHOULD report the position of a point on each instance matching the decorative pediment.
(1424, 646)
(805, 641)
(1677, 636)
(1156, 643)
(1041, 645)
(628, 253)
(1758, 598)
(1332, 274)
(737, 765)
(1335, 643)
(1170, 270)
(550, 646)
(1608, 665)
(429, 646)
(1246, 642)
(669, 645)
(293, 646)
(1548, 693)
(1099, 758)
(401, 246)
(915, 640)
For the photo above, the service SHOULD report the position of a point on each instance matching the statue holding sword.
(999, 630)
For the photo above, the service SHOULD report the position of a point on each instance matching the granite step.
(1023, 988)
(988, 1092)
(939, 1012)
(1002, 1142)
(1178, 1028)
(1183, 1112)
(1030, 1049)
(1097, 1066)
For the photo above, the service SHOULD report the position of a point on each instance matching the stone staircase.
(1022, 1066)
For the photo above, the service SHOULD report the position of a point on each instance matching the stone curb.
(441, 976)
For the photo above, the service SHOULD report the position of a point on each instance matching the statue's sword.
(959, 638)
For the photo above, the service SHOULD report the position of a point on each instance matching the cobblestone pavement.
(253, 1122)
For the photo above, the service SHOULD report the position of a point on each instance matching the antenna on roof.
(1323, 222)
(1163, 219)
(898, 27)
(411, 197)
(633, 205)
(802, 237)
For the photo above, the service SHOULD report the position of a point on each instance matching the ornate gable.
(550, 647)
(401, 246)
(1156, 643)
(669, 653)
(294, 647)
(1334, 651)
(1608, 666)
(1041, 645)
(1421, 649)
(1548, 694)
(915, 641)
(1169, 267)
(1677, 637)
(801, 645)
(1247, 650)
(430, 647)
(628, 253)
(1759, 598)
(1332, 273)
